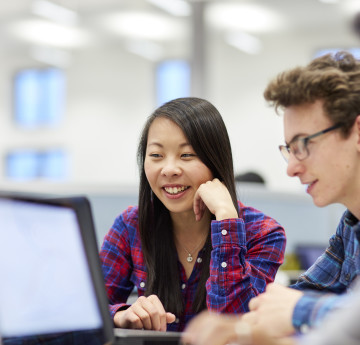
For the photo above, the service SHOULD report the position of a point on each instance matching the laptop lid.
(51, 280)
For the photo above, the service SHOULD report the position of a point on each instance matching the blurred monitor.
(308, 254)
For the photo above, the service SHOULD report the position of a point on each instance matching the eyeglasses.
(299, 146)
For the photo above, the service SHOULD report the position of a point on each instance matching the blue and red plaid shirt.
(247, 252)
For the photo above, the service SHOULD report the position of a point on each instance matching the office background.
(111, 55)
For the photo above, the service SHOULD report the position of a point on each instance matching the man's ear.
(357, 131)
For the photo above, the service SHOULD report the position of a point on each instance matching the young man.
(321, 104)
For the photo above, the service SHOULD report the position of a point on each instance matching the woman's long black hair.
(205, 130)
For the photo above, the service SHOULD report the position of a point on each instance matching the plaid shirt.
(326, 282)
(247, 252)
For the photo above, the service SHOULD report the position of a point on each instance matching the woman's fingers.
(146, 312)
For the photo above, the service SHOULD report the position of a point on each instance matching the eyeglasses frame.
(305, 140)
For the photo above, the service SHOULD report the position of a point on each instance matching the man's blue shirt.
(332, 273)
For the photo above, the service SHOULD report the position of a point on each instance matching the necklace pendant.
(189, 258)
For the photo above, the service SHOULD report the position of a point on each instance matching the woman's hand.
(145, 313)
(216, 197)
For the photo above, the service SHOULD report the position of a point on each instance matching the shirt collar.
(350, 219)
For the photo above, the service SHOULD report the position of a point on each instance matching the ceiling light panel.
(244, 17)
(244, 42)
(47, 33)
(175, 7)
(54, 12)
(350, 7)
(144, 25)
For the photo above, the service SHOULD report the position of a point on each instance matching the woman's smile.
(172, 167)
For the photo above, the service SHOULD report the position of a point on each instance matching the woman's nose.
(171, 168)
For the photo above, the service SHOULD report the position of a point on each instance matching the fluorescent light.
(54, 12)
(144, 25)
(243, 17)
(47, 33)
(174, 7)
(51, 56)
(350, 7)
(146, 49)
(244, 42)
(329, 1)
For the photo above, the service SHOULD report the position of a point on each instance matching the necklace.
(190, 257)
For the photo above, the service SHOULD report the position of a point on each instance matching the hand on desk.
(211, 329)
(220, 329)
(272, 310)
(145, 313)
(269, 322)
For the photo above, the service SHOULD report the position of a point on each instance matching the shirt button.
(177, 320)
(142, 284)
(223, 264)
(199, 260)
(223, 232)
(183, 286)
(347, 277)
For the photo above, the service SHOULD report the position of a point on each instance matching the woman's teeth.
(175, 190)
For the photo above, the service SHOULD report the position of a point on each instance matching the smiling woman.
(190, 244)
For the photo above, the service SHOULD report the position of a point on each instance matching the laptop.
(52, 289)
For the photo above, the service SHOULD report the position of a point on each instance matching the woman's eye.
(155, 155)
(188, 155)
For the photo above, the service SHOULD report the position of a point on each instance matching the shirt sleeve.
(340, 326)
(313, 307)
(326, 272)
(246, 254)
(115, 258)
(324, 282)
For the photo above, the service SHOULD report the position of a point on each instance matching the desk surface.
(143, 337)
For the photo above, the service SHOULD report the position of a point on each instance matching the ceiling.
(96, 19)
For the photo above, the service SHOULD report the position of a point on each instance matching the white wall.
(111, 92)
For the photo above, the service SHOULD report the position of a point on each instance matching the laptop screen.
(46, 284)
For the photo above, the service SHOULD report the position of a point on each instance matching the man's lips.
(309, 185)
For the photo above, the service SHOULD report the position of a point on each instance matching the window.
(172, 80)
(31, 164)
(39, 96)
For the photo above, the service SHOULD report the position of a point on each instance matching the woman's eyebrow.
(155, 143)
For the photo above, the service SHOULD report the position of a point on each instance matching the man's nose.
(295, 167)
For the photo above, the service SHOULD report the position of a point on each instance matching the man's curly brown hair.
(333, 79)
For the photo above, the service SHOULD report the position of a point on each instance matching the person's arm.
(313, 307)
(339, 327)
(115, 256)
(332, 273)
(247, 252)
(119, 275)
(285, 311)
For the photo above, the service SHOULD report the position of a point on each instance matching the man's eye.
(295, 149)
